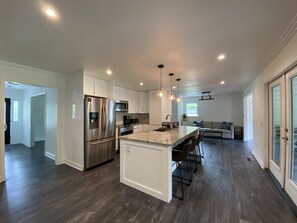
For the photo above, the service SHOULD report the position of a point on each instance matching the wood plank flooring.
(226, 188)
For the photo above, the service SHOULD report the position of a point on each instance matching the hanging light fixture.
(171, 93)
(177, 97)
(160, 91)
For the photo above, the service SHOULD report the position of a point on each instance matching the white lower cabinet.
(136, 128)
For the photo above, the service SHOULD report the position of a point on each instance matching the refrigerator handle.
(102, 118)
(105, 117)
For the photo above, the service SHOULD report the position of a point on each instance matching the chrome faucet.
(170, 119)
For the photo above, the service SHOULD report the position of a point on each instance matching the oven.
(124, 130)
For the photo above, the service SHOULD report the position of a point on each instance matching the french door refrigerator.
(99, 131)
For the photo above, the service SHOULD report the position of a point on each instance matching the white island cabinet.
(146, 163)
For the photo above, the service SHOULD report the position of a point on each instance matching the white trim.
(258, 159)
(74, 165)
(15, 65)
(39, 94)
(281, 43)
(49, 155)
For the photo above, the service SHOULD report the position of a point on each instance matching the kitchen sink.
(162, 129)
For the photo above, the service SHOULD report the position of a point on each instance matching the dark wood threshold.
(282, 192)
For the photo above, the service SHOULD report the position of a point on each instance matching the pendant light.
(160, 91)
(177, 98)
(171, 93)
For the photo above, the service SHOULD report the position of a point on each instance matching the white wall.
(37, 77)
(74, 155)
(284, 60)
(38, 117)
(225, 107)
(159, 108)
(51, 122)
(16, 126)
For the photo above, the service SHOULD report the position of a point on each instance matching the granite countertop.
(168, 138)
(140, 123)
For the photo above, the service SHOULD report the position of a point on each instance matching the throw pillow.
(199, 124)
(226, 125)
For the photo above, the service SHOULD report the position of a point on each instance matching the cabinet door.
(133, 101)
(143, 102)
(89, 88)
(100, 88)
(120, 93)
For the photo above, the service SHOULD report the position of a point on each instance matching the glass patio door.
(277, 129)
(291, 136)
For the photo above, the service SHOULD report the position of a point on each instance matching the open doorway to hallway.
(33, 127)
(248, 117)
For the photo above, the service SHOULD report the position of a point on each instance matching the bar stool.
(181, 156)
(192, 152)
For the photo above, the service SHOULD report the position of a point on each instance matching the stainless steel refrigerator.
(99, 131)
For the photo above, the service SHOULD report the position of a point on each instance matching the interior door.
(291, 137)
(7, 120)
(277, 129)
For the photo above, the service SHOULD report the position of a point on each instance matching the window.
(192, 109)
(15, 111)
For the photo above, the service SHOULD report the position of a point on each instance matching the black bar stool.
(181, 156)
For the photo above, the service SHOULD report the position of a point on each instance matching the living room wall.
(224, 107)
(285, 59)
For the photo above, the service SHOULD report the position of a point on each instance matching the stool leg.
(190, 176)
(202, 149)
(181, 181)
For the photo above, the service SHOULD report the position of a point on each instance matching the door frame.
(8, 125)
(247, 125)
(278, 171)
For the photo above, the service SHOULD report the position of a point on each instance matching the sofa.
(216, 129)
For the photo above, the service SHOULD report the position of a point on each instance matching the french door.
(291, 136)
(283, 131)
(277, 129)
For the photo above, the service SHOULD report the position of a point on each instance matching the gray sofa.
(216, 128)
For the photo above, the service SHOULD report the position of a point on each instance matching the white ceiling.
(132, 37)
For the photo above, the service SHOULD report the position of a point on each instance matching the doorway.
(38, 118)
(283, 131)
(33, 128)
(248, 117)
(7, 109)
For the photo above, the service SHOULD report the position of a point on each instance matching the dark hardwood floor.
(227, 188)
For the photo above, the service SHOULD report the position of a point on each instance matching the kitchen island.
(146, 163)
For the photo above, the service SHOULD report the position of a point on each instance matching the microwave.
(121, 106)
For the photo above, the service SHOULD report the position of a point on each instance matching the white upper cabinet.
(138, 101)
(89, 88)
(133, 101)
(143, 102)
(120, 93)
(95, 86)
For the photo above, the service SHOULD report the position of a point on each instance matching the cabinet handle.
(285, 138)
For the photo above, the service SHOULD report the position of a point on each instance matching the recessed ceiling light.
(50, 12)
(173, 87)
(141, 83)
(221, 57)
(109, 72)
(222, 82)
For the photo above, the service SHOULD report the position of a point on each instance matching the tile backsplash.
(143, 118)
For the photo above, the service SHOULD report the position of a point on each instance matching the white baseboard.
(74, 165)
(49, 155)
(258, 159)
